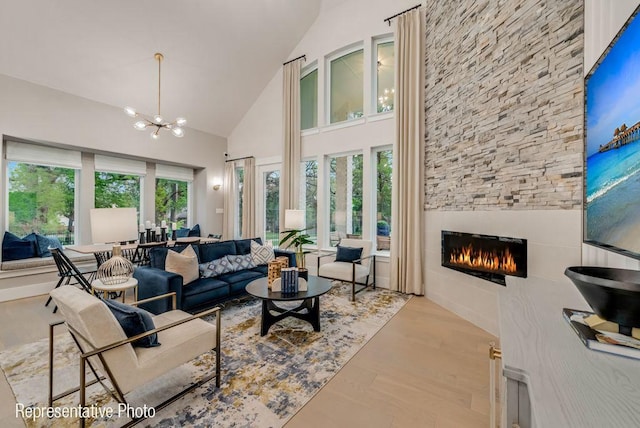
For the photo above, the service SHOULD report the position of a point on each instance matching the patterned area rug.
(264, 381)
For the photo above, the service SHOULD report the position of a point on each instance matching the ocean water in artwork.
(613, 197)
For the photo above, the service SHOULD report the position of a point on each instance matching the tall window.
(309, 100)
(271, 182)
(309, 197)
(384, 168)
(119, 190)
(173, 194)
(384, 77)
(345, 197)
(239, 197)
(172, 204)
(41, 199)
(346, 83)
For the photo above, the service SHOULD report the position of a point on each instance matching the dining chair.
(68, 271)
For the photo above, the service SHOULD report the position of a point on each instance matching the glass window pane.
(385, 76)
(345, 198)
(347, 87)
(309, 100)
(384, 162)
(119, 190)
(41, 199)
(309, 197)
(272, 207)
(172, 201)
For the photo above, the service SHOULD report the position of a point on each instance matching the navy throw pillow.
(183, 232)
(134, 321)
(14, 248)
(195, 231)
(348, 254)
(43, 244)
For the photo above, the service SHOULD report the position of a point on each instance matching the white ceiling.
(218, 54)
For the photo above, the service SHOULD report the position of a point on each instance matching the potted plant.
(296, 238)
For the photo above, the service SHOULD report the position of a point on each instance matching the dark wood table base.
(312, 315)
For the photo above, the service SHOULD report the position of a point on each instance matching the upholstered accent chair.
(105, 348)
(358, 272)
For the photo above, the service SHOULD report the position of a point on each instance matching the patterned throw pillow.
(215, 267)
(241, 262)
(261, 254)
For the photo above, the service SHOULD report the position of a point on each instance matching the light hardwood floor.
(426, 368)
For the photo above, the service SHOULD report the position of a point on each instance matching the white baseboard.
(24, 291)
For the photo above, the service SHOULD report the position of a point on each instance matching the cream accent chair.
(353, 272)
(106, 349)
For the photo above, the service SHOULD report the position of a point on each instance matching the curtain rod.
(295, 59)
(398, 14)
(231, 160)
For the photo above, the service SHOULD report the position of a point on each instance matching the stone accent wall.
(504, 104)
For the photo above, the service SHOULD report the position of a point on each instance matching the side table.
(98, 285)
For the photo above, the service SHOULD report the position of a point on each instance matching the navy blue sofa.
(153, 280)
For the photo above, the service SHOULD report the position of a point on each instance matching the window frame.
(374, 194)
(375, 43)
(304, 73)
(358, 46)
(303, 190)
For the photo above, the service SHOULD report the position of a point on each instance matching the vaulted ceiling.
(218, 54)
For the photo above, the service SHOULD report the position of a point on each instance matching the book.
(603, 341)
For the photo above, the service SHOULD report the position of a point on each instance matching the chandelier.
(157, 122)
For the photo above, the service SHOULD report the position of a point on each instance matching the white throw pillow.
(261, 254)
(184, 264)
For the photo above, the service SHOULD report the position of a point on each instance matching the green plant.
(296, 238)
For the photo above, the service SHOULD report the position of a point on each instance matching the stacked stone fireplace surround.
(504, 138)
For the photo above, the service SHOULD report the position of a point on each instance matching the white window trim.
(327, 81)
(318, 213)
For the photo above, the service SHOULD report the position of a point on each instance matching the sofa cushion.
(216, 267)
(243, 246)
(183, 232)
(261, 254)
(263, 269)
(239, 276)
(134, 321)
(241, 262)
(204, 292)
(14, 248)
(348, 254)
(184, 264)
(216, 250)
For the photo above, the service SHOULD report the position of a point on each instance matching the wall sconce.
(216, 185)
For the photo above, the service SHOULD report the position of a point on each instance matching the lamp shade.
(294, 219)
(113, 224)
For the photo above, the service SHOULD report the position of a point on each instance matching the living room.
(503, 147)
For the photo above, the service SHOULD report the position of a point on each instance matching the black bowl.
(613, 294)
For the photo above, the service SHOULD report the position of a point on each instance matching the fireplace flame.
(482, 259)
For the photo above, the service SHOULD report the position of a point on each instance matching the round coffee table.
(310, 301)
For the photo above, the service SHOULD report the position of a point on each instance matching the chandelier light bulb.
(154, 135)
(130, 111)
(140, 125)
(178, 132)
(181, 121)
(157, 119)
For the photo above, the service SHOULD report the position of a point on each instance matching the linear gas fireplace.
(485, 256)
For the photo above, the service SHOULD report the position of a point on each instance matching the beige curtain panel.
(248, 199)
(229, 187)
(407, 235)
(290, 180)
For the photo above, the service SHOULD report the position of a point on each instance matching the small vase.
(300, 259)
